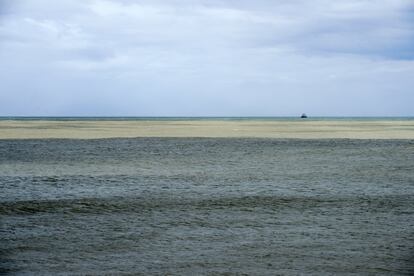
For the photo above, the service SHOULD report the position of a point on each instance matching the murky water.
(187, 206)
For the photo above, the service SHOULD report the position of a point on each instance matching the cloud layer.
(207, 58)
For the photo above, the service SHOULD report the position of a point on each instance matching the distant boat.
(304, 115)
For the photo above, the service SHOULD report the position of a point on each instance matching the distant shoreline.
(90, 128)
(201, 118)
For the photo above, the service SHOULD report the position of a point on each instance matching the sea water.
(194, 206)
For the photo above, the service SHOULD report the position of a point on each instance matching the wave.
(397, 203)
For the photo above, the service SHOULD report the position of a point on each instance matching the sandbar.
(300, 129)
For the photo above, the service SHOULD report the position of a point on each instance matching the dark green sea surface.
(207, 206)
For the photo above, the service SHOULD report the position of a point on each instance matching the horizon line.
(204, 116)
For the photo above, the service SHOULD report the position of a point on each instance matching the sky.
(206, 58)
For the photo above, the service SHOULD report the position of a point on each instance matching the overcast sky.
(207, 58)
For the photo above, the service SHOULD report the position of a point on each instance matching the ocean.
(206, 206)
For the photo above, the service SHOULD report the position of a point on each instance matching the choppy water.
(187, 206)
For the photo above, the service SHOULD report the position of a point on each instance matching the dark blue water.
(203, 206)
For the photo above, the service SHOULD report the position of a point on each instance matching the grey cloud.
(95, 53)
(195, 57)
